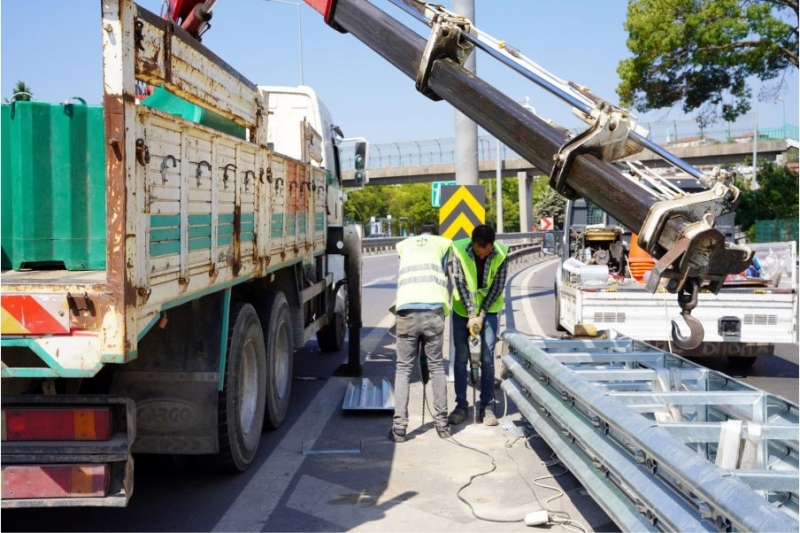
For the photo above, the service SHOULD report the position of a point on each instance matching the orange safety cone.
(639, 261)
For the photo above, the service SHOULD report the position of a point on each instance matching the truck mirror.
(360, 160)
(549, 244)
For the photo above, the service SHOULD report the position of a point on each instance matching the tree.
(776, 197)
(364, 203)
(412, 202)
(19, 92)
(701, 53)
(550, 204)
(510, 203)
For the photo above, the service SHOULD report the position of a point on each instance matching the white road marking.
(527, 308)
(378, 281)
(256, 502)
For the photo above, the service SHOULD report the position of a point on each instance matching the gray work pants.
(412, 326)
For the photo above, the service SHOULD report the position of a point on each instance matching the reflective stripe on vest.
(421, 278)
(461, 249)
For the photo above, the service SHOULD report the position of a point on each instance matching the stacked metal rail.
(659, 442)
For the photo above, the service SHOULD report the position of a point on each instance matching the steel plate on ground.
(363, 394)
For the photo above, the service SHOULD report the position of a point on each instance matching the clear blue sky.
(54, 47)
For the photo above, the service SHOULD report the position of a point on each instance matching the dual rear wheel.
(258, 380)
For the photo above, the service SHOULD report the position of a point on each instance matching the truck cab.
(293, 107)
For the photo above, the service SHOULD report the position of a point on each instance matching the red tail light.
(92, 423)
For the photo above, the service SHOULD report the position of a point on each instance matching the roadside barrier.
(659, 442)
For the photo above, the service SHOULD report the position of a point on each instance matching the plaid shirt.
(498, 285)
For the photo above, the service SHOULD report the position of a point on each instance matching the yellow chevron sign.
(462, 209)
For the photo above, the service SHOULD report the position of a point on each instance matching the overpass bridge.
(396, 163)
(429, 161)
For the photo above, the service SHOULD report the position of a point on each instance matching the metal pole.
(499, 181)
(466, 131)
(754, 183)
(299, 32)
(300, 41)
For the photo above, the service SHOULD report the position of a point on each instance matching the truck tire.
(557, 310)
(242, 400)
(331, 337)
(277, 323)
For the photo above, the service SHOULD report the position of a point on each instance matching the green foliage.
(510, 203)
(550, 204)
(776, 197)
(20, 92)
(701, 53)
(411, 201)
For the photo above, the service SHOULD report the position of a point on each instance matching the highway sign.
(462, 209)
(546, 224)
(436, 192)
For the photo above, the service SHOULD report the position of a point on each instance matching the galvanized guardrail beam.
(648, 454)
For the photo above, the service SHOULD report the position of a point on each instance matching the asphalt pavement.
(353, 478)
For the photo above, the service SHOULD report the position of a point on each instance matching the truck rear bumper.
(77, 469)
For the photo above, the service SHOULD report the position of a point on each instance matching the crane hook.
(696, 332)
(687, 300)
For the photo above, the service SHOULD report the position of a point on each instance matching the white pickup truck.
(595, 289)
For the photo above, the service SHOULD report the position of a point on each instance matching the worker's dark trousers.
(461, 369)
(411, 326)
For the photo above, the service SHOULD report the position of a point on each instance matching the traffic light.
(360, 163)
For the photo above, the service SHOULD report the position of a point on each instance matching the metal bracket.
(80, 302)
(164, 167)
(225, 174)
(714, 203)
(199, 172)
(606, 139)
(444, 42)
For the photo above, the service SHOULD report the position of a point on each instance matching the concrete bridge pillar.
(525, 188)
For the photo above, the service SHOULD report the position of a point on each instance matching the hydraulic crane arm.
(677, 229)
(191, 15)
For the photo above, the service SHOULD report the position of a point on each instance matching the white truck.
(596, 288)
(163, 256)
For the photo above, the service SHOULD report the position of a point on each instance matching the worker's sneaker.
(488, 417)
(397, 434)
(458, 415)
(443, 431)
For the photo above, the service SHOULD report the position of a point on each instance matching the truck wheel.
(557, 310)
(278, 325)
(241, 402)
(331, 337)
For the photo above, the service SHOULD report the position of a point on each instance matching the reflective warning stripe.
(25, 314)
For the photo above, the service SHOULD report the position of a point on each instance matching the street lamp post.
(299, 33)
(499, 195)
(754, 183)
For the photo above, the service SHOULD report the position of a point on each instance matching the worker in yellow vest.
(479, 275)
(421, 305)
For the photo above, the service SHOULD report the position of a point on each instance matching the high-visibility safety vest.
(461, 251)
(421, 278)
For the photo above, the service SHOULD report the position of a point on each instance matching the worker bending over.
(479, 274)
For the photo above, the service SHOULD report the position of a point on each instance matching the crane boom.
(677, 230)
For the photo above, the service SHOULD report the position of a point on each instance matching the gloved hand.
(475, 324)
